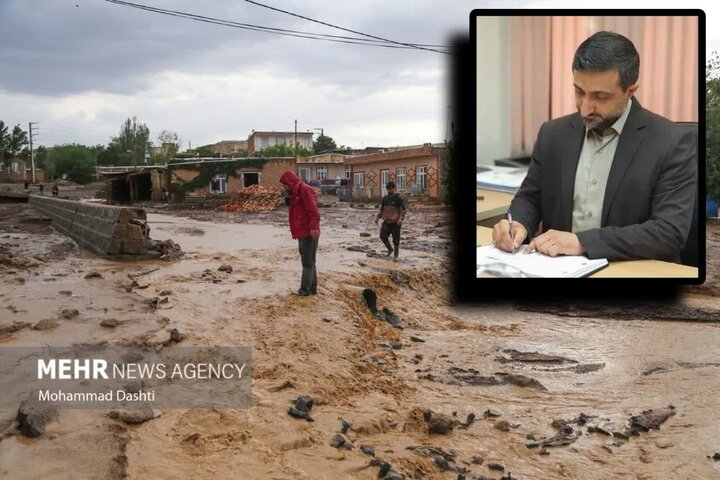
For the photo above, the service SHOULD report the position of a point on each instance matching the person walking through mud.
(392, 212)
(304, 219)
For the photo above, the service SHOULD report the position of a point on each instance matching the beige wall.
(372, 170)
(269, 175)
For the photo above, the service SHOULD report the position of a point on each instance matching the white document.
(504, 179)
(493, 261)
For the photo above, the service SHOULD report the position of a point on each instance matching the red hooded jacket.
(304, 215)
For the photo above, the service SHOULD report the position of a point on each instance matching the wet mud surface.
(493, 391)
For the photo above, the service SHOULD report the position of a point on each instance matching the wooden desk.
(628, 269)
(493, 204)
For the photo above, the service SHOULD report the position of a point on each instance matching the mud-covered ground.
(512, 390)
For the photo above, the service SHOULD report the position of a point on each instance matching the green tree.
(12, 144)
(283, 150)
(42, 160)
(712, 131)
(75, 161)
(324, 144)
(134, 138)
(169, 146)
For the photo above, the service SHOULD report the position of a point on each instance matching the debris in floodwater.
(345, 426)
(490, 412)
(301, 408)
(439, 423)
(227, 268)
(521, 380)
(339, 441)
(417, 340)
(532, 357)
(650, 419)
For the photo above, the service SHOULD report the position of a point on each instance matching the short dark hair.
(390, 185)
(608, 51)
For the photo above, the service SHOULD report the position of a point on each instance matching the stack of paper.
(499, 263)
(503, 179)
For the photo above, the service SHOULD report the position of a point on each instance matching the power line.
(411, 45)
(376, 42)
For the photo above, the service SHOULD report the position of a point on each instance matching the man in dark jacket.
(392, 212)
(304, 219)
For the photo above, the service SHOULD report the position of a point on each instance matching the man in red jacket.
(304, 219)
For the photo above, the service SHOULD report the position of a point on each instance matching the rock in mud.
(65, 292)
(384, 469)
(33, 418)
(441, 424)
(598, 429)
(110, 323)
(496, 466)
(364, 234)
(417, 340)
(490, 412)
(393, 475)
(134, 416)
(94, 274)
(716, 457)
(345, 426)
(367, 450)
(165, 293)
(478, 460)
(441, 463)
(521, 380)
(390, 317)
(469, 420)
(301, 408)
(562, 438)
(650, 419)
(339, 441)
(176, 336)
(45, 324)
(69, 313)
(532, 357)
(508, 477)
(396, 345)
(502, 425)
(227, 268)
(370, 298)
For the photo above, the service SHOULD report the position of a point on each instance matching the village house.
(260, 140)
(213, 177)
(227, 148)
(322, 168)
(415, 170)
(17, 170)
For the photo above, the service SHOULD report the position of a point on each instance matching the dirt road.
(563, 413)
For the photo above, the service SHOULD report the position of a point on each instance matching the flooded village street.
(502, 390)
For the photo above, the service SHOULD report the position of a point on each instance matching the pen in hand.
(512, 235)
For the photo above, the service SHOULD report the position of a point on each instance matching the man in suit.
(611, 181)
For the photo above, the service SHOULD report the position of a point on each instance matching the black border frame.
(466, 285)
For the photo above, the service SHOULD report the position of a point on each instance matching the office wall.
(493, 90)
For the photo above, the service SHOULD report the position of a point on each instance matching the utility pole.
(31, 134)
(296, 138)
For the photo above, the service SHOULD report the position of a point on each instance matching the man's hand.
(400, 221)
(555, 242)
(376, 220)
(501, 235)
(314, 234)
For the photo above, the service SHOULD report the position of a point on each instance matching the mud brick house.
(230, 147)
(212, 177)
(260, 140)
(415, 170)
(326, 166)
(18, 170)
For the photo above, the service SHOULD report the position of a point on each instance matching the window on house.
(304, 174)
(280, 141)
(263, 142)
(348, 171)
(218, 184)
(358, 178)
(421, 174)
(400, 176)
(322, 172)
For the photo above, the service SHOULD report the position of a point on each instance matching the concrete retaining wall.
(105, 229)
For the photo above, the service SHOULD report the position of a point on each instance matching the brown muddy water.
(469, 360)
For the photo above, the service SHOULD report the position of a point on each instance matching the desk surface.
(493, 203)
(629, 269)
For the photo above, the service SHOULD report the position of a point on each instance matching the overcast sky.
(81, 67)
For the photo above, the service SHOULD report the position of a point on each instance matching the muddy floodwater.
(490, 391)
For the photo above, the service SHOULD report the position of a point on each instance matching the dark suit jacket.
(649, 198)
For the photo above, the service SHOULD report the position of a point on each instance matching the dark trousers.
(388, 229)
(308, 280)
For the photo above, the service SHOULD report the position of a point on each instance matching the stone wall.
(105, 229)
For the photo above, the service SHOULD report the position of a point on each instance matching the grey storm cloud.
(71, 46)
